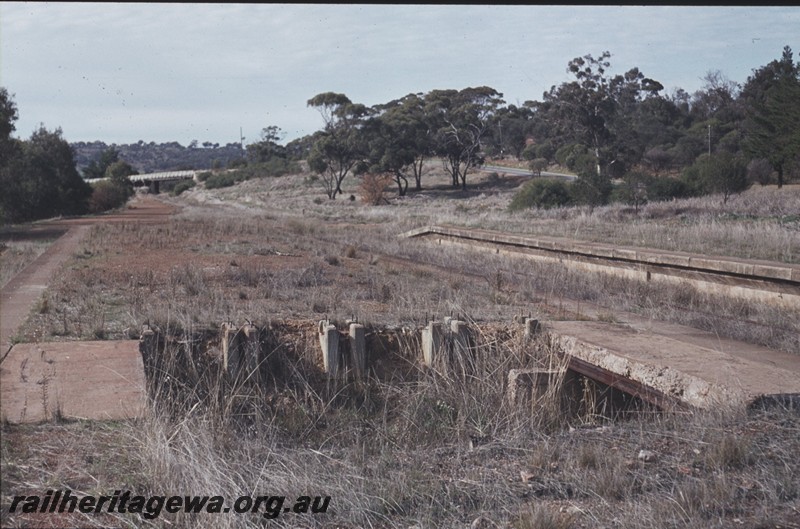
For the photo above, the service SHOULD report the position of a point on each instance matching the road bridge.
(154, 180)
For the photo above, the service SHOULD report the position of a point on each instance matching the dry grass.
(407, 446)
(16, 255)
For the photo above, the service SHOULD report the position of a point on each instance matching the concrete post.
(329, 342)
(532, 328)
(432, 340)
(230, 352)
(460, 335)
(250, 349)
(358, 348)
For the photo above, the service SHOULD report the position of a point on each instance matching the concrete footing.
(432, 343)
(240, 350)
(532, 328)
(445, 341)
(358, 350)
(329, 342)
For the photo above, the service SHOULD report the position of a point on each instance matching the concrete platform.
(761, 281)
(72, 380)
(678, 365)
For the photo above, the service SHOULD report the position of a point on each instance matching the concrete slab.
(76, 380)
(695, 369)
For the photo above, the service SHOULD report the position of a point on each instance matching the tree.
(511, 128)
(607, 114)
(339, 146)
(460, 120)
(584, 106)
(8, 115)
(268, 147)
(41, 181)
(97, 168)
(721, 172)
(10, 149)
(118, 175)
(772, 98)
(399, 140)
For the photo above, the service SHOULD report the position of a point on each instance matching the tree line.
(604, 127)
(39, 178)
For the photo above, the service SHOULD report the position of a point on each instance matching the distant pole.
(241, 140)
(709, 140)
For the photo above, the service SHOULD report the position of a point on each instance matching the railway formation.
(662, 363)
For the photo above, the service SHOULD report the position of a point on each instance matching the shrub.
(107, 195)
(666, 188)
(182, 186)
(205, 175)
(720, 173)
(541, 194)
(591, 189)
(220, 180)
(633, 189)
(372, 188)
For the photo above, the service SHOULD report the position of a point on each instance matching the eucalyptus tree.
(511, 128)
(400, 140)
(461, 119)
(268, 147)
(340, 146)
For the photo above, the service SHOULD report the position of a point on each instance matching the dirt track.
(22, 292)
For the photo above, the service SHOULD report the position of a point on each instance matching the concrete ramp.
(671, 368)
(73, 380)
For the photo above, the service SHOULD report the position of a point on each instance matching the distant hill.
(153, 157)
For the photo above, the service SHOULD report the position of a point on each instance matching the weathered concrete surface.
(762, 281)
(75, 380)
(690, 366)
(21, 293)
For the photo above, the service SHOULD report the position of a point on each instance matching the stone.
(648, 456)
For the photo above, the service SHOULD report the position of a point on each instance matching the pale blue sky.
(177, 72)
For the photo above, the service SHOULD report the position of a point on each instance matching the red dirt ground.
(47, 380)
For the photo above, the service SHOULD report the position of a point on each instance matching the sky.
(121, 73)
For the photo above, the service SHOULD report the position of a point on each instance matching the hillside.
(152, 157)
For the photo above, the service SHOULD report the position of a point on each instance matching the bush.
(372, 188)
(722, 172)
(664, 188)
(205, 175)
(107, 195)
(182, 186)
(544, 194)
(591, 189)
(216, 181)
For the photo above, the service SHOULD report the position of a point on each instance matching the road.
(523, 172)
